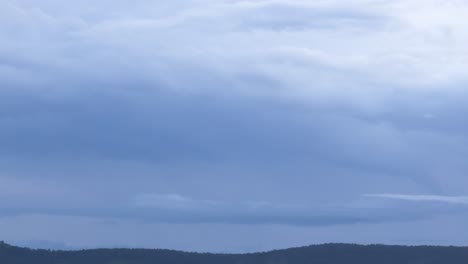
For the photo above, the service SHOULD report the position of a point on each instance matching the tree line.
(316, 254)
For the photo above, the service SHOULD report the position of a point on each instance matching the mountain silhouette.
(316, 254)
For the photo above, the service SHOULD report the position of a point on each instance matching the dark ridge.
(315, 254)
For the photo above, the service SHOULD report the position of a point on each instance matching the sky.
(233, 126)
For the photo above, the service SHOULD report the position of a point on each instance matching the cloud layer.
(246, 117)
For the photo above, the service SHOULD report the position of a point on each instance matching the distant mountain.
(318, 254)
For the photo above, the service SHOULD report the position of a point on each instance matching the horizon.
(238, 253)
(233, 125)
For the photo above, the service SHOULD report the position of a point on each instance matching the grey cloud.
(184, 209)
(174, 208)
(165, 126)
(160, 126)
(291, 102)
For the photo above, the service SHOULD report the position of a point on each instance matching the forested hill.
(319, 254)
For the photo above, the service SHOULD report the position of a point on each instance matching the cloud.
(461, 200)
(194, 111)
(397, 43)
(176, 208)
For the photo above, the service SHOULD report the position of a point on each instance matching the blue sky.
(233, 126)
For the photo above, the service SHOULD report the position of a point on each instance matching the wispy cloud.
(423, 198)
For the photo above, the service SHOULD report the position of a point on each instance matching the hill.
(319, 254)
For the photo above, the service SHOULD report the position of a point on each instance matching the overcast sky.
(233, 126)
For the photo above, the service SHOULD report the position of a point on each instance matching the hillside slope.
(320, 254)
